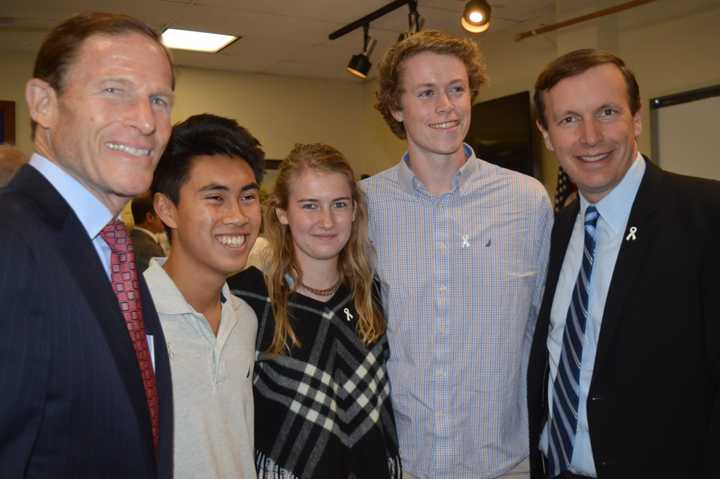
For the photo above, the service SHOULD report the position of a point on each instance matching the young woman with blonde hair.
(322, 405)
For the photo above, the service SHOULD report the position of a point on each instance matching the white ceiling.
(281, 37)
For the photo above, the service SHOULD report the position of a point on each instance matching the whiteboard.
(686, 132)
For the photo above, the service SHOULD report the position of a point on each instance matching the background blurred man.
(147, 225)
(11, 159)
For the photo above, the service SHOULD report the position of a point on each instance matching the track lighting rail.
(372, 16)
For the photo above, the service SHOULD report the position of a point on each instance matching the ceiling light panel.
(195, 41)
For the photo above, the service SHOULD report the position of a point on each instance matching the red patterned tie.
(124, 278)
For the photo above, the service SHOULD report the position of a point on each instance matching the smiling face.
(320, 214)
(591, 129)
(436, 106)
(111, 122)
(217, 218)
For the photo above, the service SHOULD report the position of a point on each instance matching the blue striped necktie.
(566, 388)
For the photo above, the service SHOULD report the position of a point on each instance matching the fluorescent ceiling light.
(195, 41)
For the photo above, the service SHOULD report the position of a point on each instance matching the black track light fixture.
(415, 21)
(360, 65)
(476, 16)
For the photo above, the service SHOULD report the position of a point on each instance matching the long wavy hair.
(355, 259)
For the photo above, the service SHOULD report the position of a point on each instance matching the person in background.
(462, 252)
(11, 159)
(624, 376)
(206, 192)
(322, 405)
(84, 370)
(147, 225)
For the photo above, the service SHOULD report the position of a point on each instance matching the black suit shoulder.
(655, 390)
(65, 409)
(691, 193)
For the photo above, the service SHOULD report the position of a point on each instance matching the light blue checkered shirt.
(462, 275)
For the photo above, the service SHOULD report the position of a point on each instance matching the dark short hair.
(61, 46)
(576, 63)
(201, 135)
(140, 207)
(390, 80)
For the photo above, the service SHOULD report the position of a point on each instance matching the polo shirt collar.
(167, 297)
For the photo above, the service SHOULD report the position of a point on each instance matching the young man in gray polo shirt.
(206, 193)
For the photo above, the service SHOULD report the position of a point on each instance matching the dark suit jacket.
(653, 405)
(72, 403)
(145, 248)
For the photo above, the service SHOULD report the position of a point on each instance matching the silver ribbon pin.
(466, 241)
(348, 314)
(631, 235)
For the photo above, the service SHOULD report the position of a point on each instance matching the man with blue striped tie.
(624, 372)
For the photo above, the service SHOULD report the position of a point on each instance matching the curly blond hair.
(390, 80)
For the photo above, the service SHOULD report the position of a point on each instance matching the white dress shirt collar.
(92, 213)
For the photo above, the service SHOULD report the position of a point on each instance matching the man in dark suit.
(147, 225)
(625, 364)
(84, 371)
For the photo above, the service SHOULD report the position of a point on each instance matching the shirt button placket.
(442, 353)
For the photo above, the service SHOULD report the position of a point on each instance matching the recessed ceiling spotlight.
(476, 16)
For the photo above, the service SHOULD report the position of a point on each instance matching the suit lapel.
(558, 248)
(633, 252)
(82, 262)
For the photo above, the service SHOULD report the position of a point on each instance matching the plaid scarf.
(323, 410)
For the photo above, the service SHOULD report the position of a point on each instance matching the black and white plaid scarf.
(322, 411)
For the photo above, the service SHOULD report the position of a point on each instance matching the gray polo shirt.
(212, 381)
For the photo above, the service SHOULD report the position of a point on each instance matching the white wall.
(282, 111)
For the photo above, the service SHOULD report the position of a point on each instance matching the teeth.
(232, 241)
(593, 157)
(445, 124)
(129, 149)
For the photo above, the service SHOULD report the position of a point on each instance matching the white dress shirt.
(614, 211)
(91, 212)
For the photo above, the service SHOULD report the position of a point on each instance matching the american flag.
(564, 190)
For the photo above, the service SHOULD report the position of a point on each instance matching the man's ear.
(398, 115)
(166, 210)
(281, 215)
(545, 135)
(42, 102)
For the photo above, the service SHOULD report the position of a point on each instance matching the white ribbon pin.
(348, 314)
(631, 235)
(466, 241)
